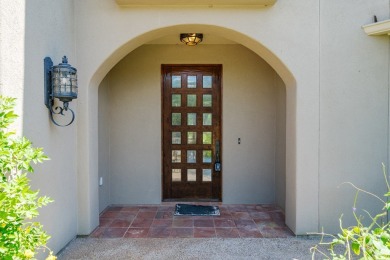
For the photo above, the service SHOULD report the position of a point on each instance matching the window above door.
(249, 3)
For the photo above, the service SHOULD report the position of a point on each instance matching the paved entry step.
(234, 221)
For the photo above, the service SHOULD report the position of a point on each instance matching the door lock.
(217, 165)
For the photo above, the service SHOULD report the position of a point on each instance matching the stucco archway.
(88, 198)
(227, 33)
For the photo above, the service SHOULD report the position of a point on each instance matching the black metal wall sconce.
(61, 83)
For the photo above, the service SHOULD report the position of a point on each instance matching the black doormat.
(196, 210)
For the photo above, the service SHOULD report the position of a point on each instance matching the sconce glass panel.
(64, 82)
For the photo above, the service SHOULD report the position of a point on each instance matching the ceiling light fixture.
(191, 39)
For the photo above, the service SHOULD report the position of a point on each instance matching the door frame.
(219, 69)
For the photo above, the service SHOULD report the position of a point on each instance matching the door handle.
(217, 164)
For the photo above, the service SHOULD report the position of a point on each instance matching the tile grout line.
(130, 224)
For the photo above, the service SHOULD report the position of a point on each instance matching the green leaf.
(356, 247)
(378, 231)
(17, 201)
(356, 230)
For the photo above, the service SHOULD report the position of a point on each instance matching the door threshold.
(191, 200)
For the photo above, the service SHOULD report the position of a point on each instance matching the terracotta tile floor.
(235, 221)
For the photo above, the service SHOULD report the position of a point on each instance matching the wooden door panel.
(191, 125)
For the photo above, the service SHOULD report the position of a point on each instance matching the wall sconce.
(61, 83)
(191, 39)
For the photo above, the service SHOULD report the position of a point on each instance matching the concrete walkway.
(189, 248)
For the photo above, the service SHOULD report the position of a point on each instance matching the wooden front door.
(191, 122)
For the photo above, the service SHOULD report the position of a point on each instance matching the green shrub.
(20, 237)
(370, 241)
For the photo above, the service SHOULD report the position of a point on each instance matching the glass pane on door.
(176, 100)
(207, 100)
(206, 177)
(176, 174)
(191, 82)
(207, 156)
(191, 156)
(207, 137)
(191, 174)
(176, 156)
(176, 137)
(176, 118)
(191, 138)
(207, 81)
(207, 118)
(191, 119)
(176, 81)
(191, 100)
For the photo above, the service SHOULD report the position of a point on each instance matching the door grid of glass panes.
(191, 111)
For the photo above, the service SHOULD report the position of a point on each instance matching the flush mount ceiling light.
(191, 39)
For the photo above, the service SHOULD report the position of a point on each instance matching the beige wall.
(334, 75)
(354, 101)
(46, 24)
(104, 144)
(336, 80)
(134, 122)
(30, 31)
(12, 28)
(271, 41)
(280, 152)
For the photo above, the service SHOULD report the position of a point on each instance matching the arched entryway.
(253, 126)
(277, 77)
